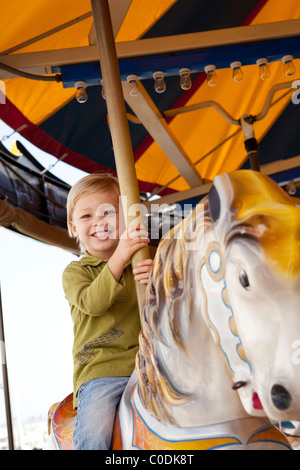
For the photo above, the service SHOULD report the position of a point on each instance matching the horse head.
(221, 318)
(258, 226)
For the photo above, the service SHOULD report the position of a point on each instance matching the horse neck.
(202, 376)
(182, 376)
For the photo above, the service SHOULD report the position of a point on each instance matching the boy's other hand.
(143, 270)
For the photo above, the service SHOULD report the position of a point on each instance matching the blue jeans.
(96, 410)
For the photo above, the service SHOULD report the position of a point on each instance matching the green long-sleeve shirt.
(105, 318)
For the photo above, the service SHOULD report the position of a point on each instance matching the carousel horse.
(218, 361)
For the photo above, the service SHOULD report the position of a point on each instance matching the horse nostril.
(280, 397)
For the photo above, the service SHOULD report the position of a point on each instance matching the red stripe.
(197, 82)
(10, 114)
(258, 7)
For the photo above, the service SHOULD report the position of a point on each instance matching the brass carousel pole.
(119, 127)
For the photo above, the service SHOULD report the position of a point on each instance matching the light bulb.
(185, 79)
(289, 68)
(102, 90)
(263, 68)
(159, 82)
(211, 75)
(291, 188)
(133, 89)
(237, 73)
(81, 94)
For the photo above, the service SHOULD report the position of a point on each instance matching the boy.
(101, 293)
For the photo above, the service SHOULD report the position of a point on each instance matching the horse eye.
(244, 280)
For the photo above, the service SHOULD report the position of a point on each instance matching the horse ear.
(214, 204)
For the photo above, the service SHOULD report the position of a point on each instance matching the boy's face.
(96, 222)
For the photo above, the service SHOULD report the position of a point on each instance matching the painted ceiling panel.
(57, 123)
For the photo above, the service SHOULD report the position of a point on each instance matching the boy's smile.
(96, 223)
(101, 235)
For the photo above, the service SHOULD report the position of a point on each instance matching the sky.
(37, 322)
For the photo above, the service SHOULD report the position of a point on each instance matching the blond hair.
(98, 182)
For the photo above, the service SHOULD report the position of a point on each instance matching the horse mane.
(167, 291)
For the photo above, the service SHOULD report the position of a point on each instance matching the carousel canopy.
(181, 138)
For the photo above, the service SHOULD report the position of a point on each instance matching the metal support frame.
(269, 169)
(155, 124)
(170, 53)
